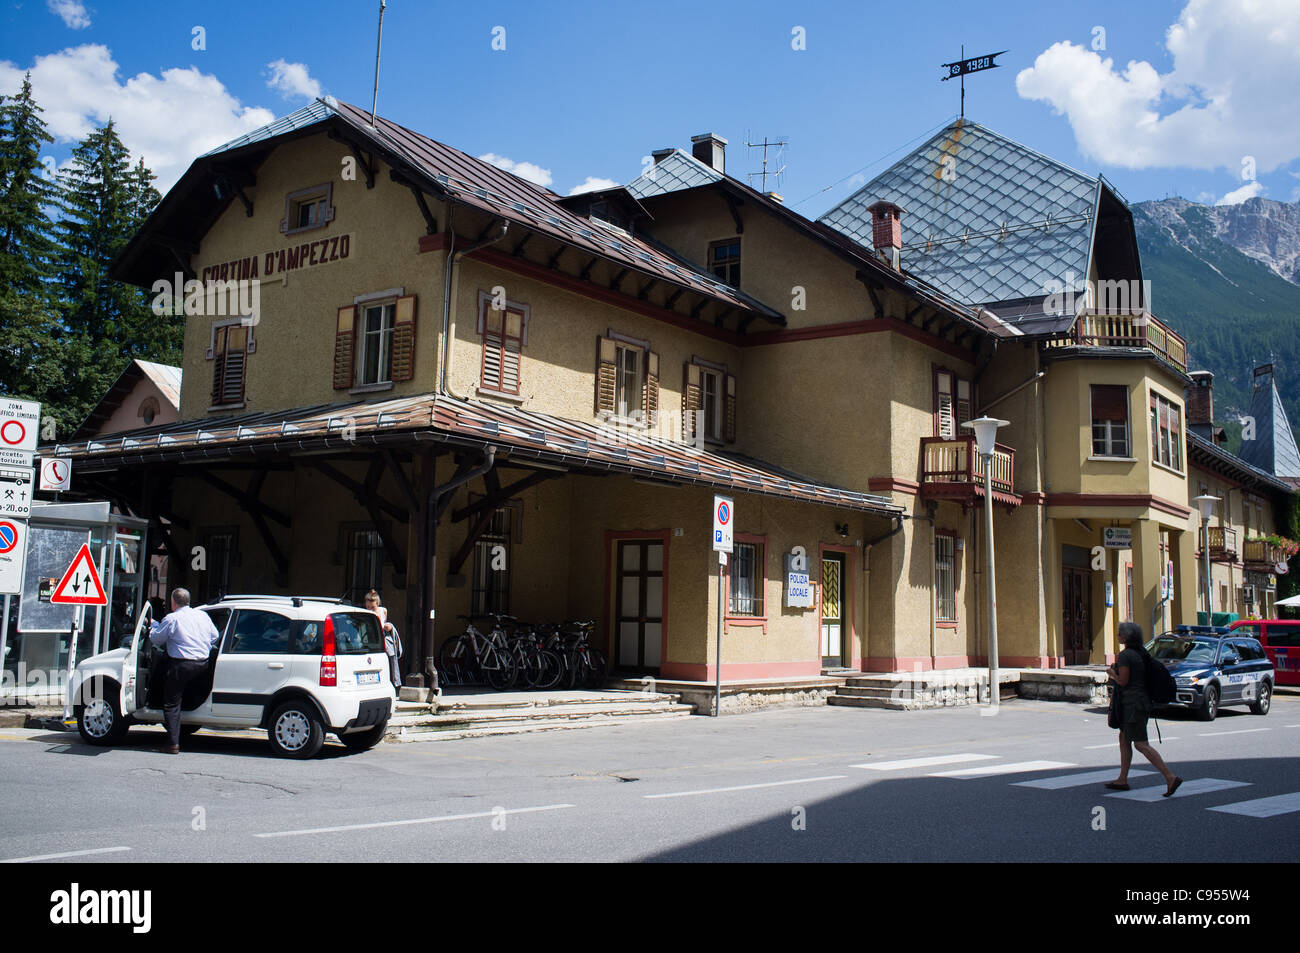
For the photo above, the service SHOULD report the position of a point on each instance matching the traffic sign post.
(724, 518)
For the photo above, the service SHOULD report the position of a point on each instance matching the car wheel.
(365, 740)
(1261, 704)
(1211, 707)
(100, 720)
(295, 730)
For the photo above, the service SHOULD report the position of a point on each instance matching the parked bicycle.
(475, 657)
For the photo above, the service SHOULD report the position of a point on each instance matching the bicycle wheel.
(552, 669)
(594, 669)
(455, 660)
(530, 664)
(500, 669)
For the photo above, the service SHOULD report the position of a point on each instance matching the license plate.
(367, 678)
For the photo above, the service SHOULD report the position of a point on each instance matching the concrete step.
(547, 700)
(559, 713)
(874, 691)
(471, 729)
(866, 701)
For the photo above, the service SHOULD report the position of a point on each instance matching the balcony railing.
(1261, 553)
(956, 464)
(1223, 543)
(1127, 329)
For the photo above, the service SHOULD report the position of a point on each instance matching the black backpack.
(1160, 684)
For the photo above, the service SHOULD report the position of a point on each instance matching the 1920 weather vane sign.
(973, 65)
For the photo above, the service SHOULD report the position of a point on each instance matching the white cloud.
(856, 179)
(167, 119)
(292, 79)
(1237, 196)
(1226, 98)
(593, 184)
(72, 12)
(525, 170)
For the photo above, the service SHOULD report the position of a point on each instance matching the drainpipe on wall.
(449, 289)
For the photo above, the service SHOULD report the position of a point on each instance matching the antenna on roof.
(379, 42)
(778, 159)
(964, 66)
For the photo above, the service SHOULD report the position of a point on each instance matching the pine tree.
(104, 200)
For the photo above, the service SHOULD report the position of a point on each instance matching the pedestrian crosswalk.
(961, 766)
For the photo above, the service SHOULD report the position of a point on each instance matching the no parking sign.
(724, 516)
(13, 553)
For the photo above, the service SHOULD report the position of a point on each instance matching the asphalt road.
(787, 785)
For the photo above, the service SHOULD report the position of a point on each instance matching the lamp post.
(1206, 505)
(986, 437)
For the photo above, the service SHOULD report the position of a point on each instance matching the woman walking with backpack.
(1129, 673)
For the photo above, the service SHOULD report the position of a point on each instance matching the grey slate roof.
(985, 219)
(298, 119)
(674, 172)
(1274, 448)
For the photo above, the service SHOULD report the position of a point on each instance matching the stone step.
(471, 730)
(563, 713)
(867, 701)
(527, 700)
(873, 691)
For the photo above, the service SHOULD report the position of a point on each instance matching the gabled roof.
(165, 377)
(189, 209)
(1274, 448)
(985, 219)
(517, 434)
(1206, 454)
(678, 171)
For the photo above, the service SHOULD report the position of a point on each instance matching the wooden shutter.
(606, 374)
(218, 363)
(650, 397)
(964, 403)
(944, 425)
(402, 367)
(502, 343)
(1110, 402)
(345, 334)
(729, 411)
(228, 365)
(692, 400)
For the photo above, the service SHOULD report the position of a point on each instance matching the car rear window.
(1185, 649)
(357, 633)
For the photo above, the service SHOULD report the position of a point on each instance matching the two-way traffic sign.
(80, 585)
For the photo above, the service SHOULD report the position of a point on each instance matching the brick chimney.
(710, 149)
(659, 155)
(1200, 404)
(887, 232)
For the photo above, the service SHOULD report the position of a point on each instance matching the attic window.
(307, 209)
(148, 410)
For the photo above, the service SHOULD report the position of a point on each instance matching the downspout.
(448, 313)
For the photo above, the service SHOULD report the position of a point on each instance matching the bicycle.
(477, 656)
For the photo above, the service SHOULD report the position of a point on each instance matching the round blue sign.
(724, 513)
(8, 537)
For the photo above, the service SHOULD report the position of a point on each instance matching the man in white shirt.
(188, 636)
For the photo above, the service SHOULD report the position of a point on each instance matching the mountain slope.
(1216, 277)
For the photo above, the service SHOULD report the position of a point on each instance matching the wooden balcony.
(1223, 544)
(1260, 555)
(1127, 329)
(954, 470)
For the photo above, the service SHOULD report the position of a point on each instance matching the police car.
(1213, 667)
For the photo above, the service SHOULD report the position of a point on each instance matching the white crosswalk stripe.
(989, 770)
(1156, 792)
(930, 762)
(1059, 781)
(1263, 807)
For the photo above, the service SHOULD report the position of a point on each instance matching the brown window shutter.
(218, 364)
(1110, 402)
(651, 396)
(344, 346)
(729, 412)
(232, 374)
(606, 374)
(692, 400)
(402, 367)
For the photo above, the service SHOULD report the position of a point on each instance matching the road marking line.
(1076, 780)
(1264, 806)
(924, 762)
(989, 770)
(1291, 726)
(1115, 743)
(71, 853)
(1242, 731)
(417, 820)
(1156, 792)
(747, 787)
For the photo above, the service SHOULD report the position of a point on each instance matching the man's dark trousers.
(180, 672)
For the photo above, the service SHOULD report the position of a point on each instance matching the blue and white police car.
(1213, 667)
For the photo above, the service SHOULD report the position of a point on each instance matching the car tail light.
(329, 669)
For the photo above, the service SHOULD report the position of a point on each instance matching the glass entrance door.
(639, 610)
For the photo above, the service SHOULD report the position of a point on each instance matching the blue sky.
(585, 90)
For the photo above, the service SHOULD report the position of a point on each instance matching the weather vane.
(964, 66)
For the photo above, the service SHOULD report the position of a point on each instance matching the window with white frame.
(746, 571)
(627, 394)
(711, 396)
(952, 405)
(308, 208)
(375, 348)
(1166, 432)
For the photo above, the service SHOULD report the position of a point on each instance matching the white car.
(297, 666)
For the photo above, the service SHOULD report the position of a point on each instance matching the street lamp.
(1206, 505)
(986, 438)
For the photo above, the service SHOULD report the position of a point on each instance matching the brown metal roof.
(428, 418)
